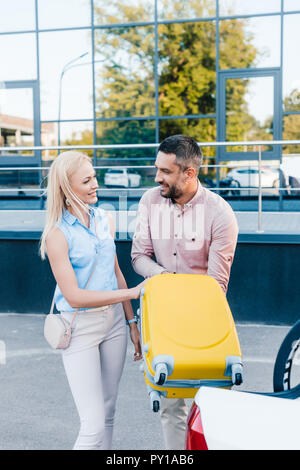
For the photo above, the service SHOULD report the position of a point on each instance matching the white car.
(234, 420)
(222, 419)
(122, 177)
(249, 177)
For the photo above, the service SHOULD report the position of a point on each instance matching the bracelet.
(128, 322)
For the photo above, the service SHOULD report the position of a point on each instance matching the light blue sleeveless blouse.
(84, 246)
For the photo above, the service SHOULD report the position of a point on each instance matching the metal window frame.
(224, 75)
(36, 159)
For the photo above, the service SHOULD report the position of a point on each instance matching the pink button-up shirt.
(198, 238)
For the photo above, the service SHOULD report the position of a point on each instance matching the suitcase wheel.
(238, 379)
(237, 374)
(162, 379)
(155, 406)
(155, 400)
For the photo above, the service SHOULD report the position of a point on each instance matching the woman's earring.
(68, 202)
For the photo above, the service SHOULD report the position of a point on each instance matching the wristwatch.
(133, 320)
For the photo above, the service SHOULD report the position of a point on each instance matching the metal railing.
(259, 163)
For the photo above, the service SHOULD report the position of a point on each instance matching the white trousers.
(173, 418)
(94, 363)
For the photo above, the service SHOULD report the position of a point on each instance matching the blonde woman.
(75, 235)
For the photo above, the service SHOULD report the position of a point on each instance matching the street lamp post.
(65, 68)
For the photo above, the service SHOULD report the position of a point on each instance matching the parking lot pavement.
(36, 406)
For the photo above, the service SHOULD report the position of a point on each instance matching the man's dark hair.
(187, 151)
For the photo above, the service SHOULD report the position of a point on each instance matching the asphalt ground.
(37, 411)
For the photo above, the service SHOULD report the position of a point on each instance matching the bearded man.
(182, 227)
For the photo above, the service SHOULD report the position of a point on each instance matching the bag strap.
(90, 276)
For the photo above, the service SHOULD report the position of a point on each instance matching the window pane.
(76, 133)
(291, 67)
(124, 68)
(244, 7)
(187, 62)
(233, 37)
(123, 11)
(49, 139)
(64, 13)
(291, 131)
(16, 118)
(22, 48)
(130, 156)
(249, 110)
(179, 9)
(73, 81)
(291, 5)
(17, 102)
(126, 132)
(256, 42)
(17, 15)
(71, 133)
(202, 130)
(291, 154)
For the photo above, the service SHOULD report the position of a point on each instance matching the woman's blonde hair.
(60, 195)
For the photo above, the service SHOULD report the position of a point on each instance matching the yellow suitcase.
(188, 337)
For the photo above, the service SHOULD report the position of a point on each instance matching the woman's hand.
(136, 291)
(136, 340)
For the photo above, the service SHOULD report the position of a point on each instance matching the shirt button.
(174, 254)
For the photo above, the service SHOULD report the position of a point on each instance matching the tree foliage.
(125, 80)
(291, 123)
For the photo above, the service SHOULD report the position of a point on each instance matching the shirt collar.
(71, 219)
(196, 197)
(194, 200)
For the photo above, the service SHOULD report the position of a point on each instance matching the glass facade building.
(135, 71)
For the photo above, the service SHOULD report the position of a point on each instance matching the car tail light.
(195, 439)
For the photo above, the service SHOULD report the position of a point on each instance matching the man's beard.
(173, 193)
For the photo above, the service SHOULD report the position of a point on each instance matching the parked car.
(239, 178)
(122, 177)
(249, 177)
(235, 420)
(294, 182)
(230, 185)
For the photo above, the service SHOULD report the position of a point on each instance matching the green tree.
(292, 101)
(291, 131)
(291, 123)
(187, 71)
(85, 138)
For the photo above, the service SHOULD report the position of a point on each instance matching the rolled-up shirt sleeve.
(142, 252)
(222, 247)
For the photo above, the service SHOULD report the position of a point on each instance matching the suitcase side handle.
(163, 366)
(234, 369)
